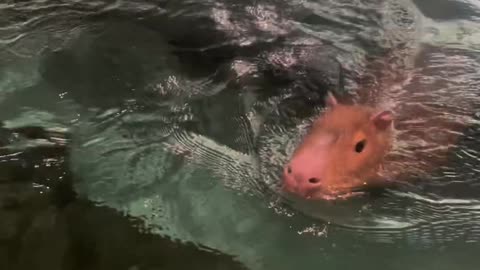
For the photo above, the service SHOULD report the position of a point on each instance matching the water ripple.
(159, 154)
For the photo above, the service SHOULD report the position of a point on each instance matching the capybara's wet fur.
(342, 152)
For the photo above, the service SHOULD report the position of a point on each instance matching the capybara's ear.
(330, 100)
(383, 119)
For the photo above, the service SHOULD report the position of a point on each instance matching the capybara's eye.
(360, 145)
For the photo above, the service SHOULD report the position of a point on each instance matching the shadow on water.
(44, 226)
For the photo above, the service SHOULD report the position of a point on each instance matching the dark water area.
(151, 134)
(45, 226)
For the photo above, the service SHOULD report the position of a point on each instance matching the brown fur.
(342, 127)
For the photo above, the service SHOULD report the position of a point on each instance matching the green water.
(180, 114)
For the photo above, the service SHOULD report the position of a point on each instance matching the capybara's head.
(341, 153)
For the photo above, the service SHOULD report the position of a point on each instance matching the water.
(181, 114)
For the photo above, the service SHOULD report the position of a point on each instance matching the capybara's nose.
(302, 179)
(314, 180)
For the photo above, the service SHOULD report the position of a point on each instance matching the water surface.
(181, 114)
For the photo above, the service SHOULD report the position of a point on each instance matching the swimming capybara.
(342, 152)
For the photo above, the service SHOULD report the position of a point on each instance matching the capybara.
(342, 152)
